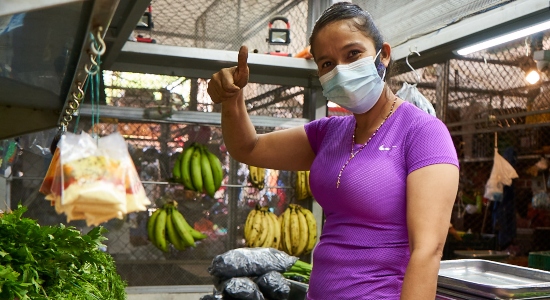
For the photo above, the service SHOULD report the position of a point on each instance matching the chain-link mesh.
(227, 25)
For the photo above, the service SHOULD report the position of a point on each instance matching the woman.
(386, 177)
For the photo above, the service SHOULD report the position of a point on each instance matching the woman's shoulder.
(415, 117)
(330, 121)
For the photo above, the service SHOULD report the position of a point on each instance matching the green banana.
(160, 231)
(151, 226)
(197, 235)
(185, 167)
(179, 225)
(176, 171)
(196, 174)
(217, 171)
(173, 236)
(206, 171)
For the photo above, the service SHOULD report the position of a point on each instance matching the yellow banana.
(312, 229)
(287, 245)
(255, 230)
(301, 189)
(263, 231)
(160, 231)
(179, 226)
(248, 224)
(206, 171)
(268, 243)
(173, 236)
(151, 226)
(176, 170)
(303, 229)
(281, 229)
(276, 230)
(261, 178)
(294, 231)
(196, 175)
(252, 175)
(197, 235)
(307, 184)
(217, 171)
(185, 167)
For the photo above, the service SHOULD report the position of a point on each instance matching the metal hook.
(89, 70)
(408, 64)
(78, 97)
(99, 39)
(92, 59)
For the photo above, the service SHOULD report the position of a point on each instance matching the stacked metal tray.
(492, 280)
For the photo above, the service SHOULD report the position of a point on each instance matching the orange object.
(304, 53)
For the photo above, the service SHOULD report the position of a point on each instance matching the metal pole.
(442, 91)
(232, 203)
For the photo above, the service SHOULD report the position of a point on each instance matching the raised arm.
(283, 150)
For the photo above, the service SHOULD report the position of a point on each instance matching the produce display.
(302, 185)
(54, 262)
(168, 226)
(294, 231)
(198, 169)
(298, 230)
(262, 228)
(256, 176)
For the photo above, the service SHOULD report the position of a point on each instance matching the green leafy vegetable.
(54, 262)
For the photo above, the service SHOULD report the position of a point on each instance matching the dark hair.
(363, 22)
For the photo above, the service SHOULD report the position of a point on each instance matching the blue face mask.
(356, 86)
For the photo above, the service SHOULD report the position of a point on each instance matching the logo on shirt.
(384, 148)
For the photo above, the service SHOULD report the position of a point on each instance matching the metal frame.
(203, 63)
(192, 117)
(440, 45)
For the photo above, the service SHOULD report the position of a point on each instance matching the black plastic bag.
(241, 288)
(250, 262)
(273, 285)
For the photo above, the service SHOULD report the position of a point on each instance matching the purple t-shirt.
(364, 248)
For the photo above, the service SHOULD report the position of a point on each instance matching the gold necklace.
(352, 155)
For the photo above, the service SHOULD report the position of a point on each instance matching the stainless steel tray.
(494, 280)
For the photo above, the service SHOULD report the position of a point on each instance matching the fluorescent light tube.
(505, 38)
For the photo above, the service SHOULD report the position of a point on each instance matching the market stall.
(104, 75)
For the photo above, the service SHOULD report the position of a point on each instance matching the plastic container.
(298, 290)
(539, 260)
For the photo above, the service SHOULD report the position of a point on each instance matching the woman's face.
(341, 43)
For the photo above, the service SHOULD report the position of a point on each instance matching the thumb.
(240, 75)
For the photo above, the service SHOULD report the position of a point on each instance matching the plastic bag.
(410, 93)
(93, 181)
(250, 262)
(273, 285)
(241, 288)
(501, 175)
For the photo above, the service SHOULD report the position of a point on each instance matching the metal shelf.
(192, 117)
(203, 63)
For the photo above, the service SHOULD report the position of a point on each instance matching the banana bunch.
(256, 177)
(298, 230)
(302, 185)
(168, 226)
(198, 169)
(262, 228)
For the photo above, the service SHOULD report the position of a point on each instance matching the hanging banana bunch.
(262, 228)
(168, 226)
(298, 230)
(256, 176)
(198, 169)
(302, 185)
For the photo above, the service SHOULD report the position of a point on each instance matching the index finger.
(243, 57)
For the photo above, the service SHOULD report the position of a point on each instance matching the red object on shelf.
(142, 39)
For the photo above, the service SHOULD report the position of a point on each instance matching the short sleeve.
(316, 131)
(429, 143)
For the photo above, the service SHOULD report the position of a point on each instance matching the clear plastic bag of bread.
(93, 180)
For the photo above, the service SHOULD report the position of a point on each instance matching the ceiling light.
(532, 76)
(505, 38)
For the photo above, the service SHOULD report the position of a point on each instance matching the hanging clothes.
(501, 175)
(504, 208)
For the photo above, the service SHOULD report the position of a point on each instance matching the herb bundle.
(54, 262)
